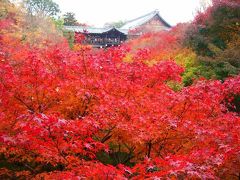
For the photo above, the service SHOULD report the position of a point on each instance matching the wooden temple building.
(105, 37)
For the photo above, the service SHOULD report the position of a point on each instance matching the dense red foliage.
(62, 111)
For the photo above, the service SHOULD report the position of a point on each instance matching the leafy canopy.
(42, 7)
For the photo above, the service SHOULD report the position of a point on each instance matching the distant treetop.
(69, 19)
(42, 7)
(116, 24)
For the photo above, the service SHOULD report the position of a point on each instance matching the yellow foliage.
(185, 58)
(128, 58)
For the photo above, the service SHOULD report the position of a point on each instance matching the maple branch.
(185, 108)
(83, 60)
(130, 154)
(30, 108)
(149, 148)
(85, 105)
(56, 143)
(30, 168)
(106, 137)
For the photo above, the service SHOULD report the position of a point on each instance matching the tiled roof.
(93, 30)
(132, 24)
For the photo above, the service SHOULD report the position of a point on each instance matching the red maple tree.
(70, 114)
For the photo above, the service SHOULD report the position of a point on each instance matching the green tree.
(116, 24)
(214, 36)
(69, 19)
(42, 7)
(214, 28)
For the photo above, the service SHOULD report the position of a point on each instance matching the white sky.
(98, 12)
